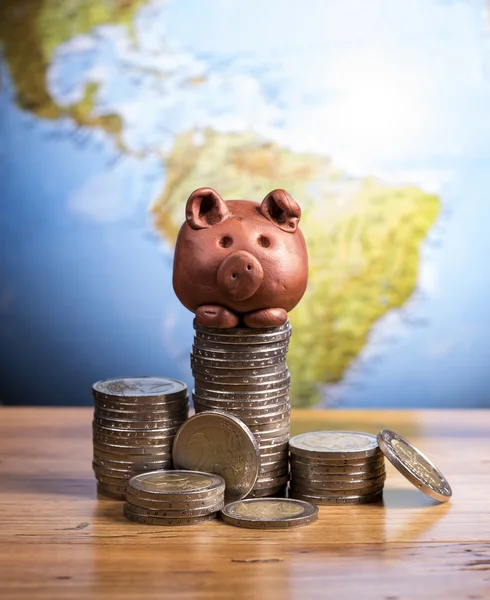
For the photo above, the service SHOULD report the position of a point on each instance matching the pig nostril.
(249, 267)
(233, 275)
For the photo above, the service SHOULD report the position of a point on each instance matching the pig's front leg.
(216, 316)
(267, 317)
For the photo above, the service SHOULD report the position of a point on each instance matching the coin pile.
(174, 497)
(135, 421)
(336, 467)
(243, 372)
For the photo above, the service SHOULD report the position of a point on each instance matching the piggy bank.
(239, 262)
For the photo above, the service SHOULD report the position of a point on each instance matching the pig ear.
(280, 208)
(205, 208)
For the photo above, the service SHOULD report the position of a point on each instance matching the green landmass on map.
(363, 240)
(31, 31)
(363, 237)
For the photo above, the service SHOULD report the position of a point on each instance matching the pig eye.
(225, 241)
(264, 241)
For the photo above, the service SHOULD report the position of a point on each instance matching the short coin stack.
(243, 372)
(174, 497)
(336, 467)
(135, 421)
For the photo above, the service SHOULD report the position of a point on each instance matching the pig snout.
(240, 275)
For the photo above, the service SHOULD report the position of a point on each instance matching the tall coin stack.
(336, 467)
(244, 372)
(135, 422)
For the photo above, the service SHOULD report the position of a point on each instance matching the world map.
(159, 103)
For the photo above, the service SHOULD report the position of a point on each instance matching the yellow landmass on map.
(363, 240)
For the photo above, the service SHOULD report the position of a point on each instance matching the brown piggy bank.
(240, 261)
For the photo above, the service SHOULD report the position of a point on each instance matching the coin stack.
(336, 467)
(243, 372)
(174, 497)
(135, 421)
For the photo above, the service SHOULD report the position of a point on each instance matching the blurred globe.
(374, 116)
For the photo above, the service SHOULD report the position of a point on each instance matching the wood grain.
(59, 540)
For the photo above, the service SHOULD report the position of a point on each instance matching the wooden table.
(59, 540)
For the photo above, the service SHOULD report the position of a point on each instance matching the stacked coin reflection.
(336, 467)
(135, 421)
(174, 497)
(244, 372)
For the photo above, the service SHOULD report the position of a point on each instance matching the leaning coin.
(414, 465)
(269, 513)
(129, 514)
(334, 444)
(217, 442)
(177, 485)
(336, 500)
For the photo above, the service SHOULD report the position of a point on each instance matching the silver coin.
(207, 503)
(177, 485)
(107, 491)
(165, 406)
(136, 425)
(268, 419)
(109, 471)
(259, 427)
(334, 444)
(273, 458)
(175, 514)
(224, 372)
(273, 466)
(276, 470)
(271, 444)
(226, 387)
(256, 354)
(241, 404)
(133, 466)
(362, 463)
(138, 415)
(249, 340)
(243, 331)
(320, 472)
(261, 412)
(271, 482)
(279, 491)
(269, 513)
(247, 379)
(271, 434)
(338, 485)
(336, 500)
(219, 443)
(238, 364)
(129, 514)
(130, 453)
(414, 465)
(140, 387)
(163, 443)
(112, 481)
(231, 347)
(262, 396)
